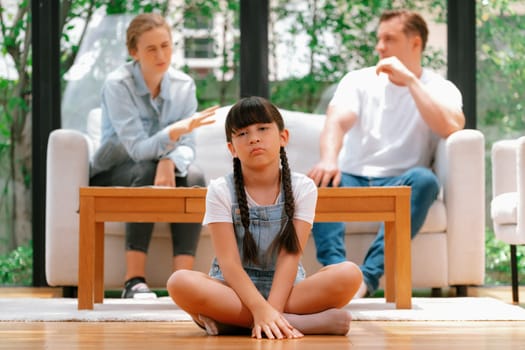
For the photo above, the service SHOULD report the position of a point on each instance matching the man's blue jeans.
(330, 237)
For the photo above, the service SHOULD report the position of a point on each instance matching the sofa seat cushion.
(504, 208)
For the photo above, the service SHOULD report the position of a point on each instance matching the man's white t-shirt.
(389, 135)
(219, 200)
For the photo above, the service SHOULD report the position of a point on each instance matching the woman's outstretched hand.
(197, 120)
(202, 118)
(273, 325)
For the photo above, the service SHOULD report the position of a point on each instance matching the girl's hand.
(197, 120)
(272, 323)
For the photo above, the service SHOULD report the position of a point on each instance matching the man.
(381, 129)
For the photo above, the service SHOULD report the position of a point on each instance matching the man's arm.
(338, 121)
(442, 119)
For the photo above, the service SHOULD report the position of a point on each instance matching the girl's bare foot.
(209, 325)
(331, 321)
(213, 327)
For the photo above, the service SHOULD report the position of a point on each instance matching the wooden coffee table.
(155, 204)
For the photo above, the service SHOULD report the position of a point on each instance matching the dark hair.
(245, 112)
(413, 23)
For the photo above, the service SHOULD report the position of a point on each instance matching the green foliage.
(15, 102)
(222, 88)
(208, 88)
(133, 6)
(497, 264)
(350, 44)
(300, 94)
(501, 68)
(16, 268)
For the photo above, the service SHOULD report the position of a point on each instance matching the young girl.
(259, 219)
(148, 113)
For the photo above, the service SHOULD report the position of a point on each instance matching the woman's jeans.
(184, 236)
(330, 237)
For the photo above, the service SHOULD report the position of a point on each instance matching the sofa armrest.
(460, 166)
(504, 165)
(67, 170)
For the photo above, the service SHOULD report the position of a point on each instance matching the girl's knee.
(353, 272)
(183, 288)
(179, 280)
(349, 275)
(347, 278)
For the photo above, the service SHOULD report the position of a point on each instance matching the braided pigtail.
(248, 244)
(287, 239)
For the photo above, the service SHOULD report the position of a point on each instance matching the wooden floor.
(185, 335)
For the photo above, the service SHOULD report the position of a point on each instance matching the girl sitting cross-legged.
(259, 219)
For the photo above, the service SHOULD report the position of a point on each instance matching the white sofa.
(448, 252)
(508, 196)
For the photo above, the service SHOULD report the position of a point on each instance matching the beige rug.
(163, 309)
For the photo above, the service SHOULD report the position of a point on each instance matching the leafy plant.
(16, 267)
(501, 68)
(497, 264)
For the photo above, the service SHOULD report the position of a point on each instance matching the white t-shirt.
(389, 135)
(219, 200)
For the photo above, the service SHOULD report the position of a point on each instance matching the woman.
(148, 113)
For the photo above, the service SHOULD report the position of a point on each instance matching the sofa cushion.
(303, 145)
(212, 155)
(302, 150)
(504, 208)
(436, 220)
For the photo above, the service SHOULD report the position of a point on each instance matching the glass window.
(199, 48)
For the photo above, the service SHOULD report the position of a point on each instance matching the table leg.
(86, 256)
(99, 262)
(403, 254)
(390, 260)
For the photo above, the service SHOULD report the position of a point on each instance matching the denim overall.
(265, 224)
